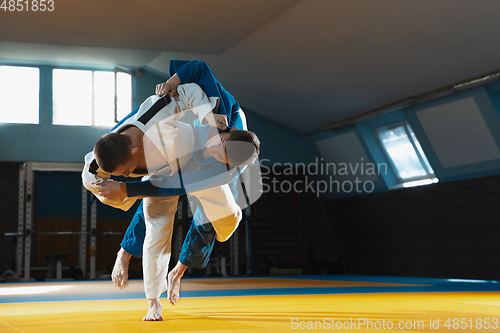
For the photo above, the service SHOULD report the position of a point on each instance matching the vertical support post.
(178, 229)
(189, 211)
(59, 269)
(234, 254)
(115, 70)
(223, 266)
(249, 241)
(82, 253)
(189, 220)
(93, 240)
(29, 216)
(20, 223)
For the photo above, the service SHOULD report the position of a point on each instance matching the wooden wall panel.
(443, 230)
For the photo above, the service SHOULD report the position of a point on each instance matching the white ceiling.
(303, 63)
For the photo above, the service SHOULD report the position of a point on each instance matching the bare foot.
(174, 286)
(119, 276)
(154, 310)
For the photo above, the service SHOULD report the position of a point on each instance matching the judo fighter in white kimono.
(161, 149)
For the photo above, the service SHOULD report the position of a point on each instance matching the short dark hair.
(241, 146)
(112, 150)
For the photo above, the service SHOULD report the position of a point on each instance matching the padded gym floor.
(261, 304)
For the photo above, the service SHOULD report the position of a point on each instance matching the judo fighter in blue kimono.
(174, 158)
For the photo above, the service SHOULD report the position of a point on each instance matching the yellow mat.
(264, 314)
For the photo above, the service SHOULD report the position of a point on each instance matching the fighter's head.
(114, 154)
(237, 147)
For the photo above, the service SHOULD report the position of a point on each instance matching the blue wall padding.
(59, 194)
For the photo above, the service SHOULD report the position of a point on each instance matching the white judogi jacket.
(159, 120)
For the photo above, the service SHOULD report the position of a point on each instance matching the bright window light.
(19, 94)
(72, 97)
(472, 281)
(87, 98)
(124, 94)
(104, 100)
(419, 149)
(406, 155)
(421, 182)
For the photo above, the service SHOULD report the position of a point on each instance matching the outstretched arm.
(165, 186)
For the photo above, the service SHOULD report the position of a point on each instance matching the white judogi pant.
(159, 213)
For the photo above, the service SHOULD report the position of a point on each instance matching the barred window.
(90, 98)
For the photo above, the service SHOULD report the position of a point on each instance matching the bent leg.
(119, 275)
(200, 239)
(220, 209)
(131, 245)
(217, 203)
(174, 282)
(133, 239)
(196, 250)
